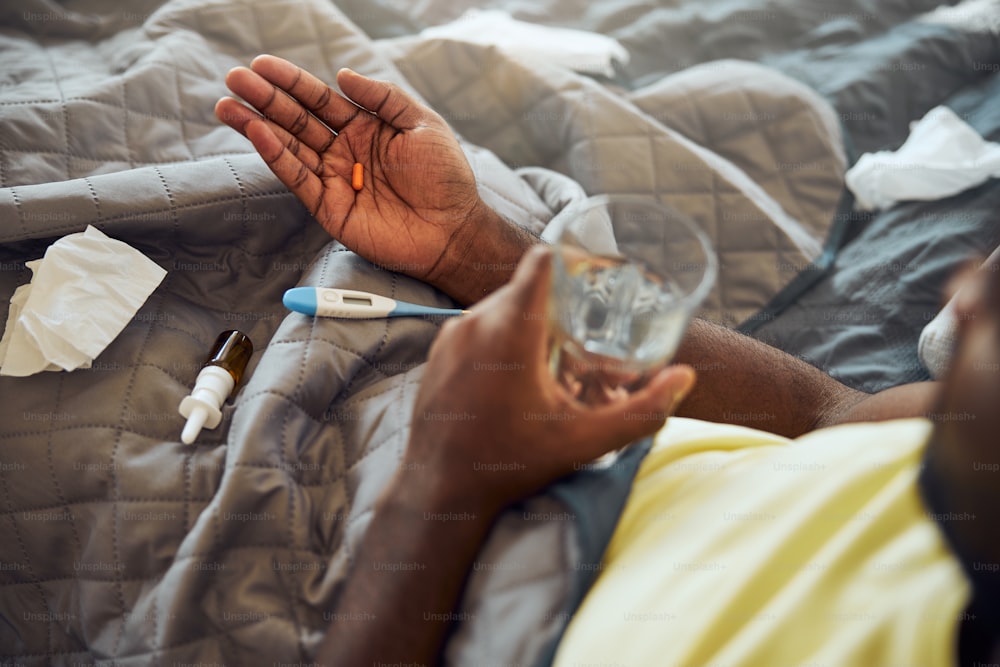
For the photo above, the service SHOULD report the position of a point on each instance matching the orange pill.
(358, 176)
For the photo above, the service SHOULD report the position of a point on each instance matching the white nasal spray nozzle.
(203, 408)
(216, 381)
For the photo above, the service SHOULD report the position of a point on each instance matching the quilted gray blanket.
(121, 545)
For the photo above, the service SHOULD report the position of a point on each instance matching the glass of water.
(628, 273)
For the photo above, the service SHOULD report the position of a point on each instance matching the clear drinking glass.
(628, 273)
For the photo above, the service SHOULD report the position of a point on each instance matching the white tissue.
(575, 49)
(942, 157)
(81, 295)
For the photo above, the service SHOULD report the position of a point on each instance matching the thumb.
(390, 102)
(524, 301)
(526, 295)
(643, 412)
(531, 279)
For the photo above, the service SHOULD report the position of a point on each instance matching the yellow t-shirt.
(738, 547)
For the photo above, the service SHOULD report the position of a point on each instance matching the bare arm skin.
(744, 381)
(405, 582)
(492, 242)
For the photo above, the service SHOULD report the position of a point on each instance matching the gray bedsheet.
(123, 546)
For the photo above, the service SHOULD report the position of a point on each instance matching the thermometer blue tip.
(301, 300)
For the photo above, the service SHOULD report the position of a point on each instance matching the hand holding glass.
(619, 307)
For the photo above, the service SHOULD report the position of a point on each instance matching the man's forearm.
(405, 581)
(744, 381)
(483, 257)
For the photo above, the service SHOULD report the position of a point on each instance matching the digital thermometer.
(354, 305)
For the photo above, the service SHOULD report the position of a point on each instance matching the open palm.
(418, 191)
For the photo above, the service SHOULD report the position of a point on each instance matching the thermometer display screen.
(357, 301)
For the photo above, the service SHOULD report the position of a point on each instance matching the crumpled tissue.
(575, 49)
(82, 293)
(942, 156)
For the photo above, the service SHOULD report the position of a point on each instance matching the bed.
(123, 546)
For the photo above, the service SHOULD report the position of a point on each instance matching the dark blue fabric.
(596, 497)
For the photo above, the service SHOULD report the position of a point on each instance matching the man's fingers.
(641, 413)
(289, 169)
(276, 105)
(392, 104)
(236, 115)
(303, 153)
(531, 281)
(666, 389)
(324, 102)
